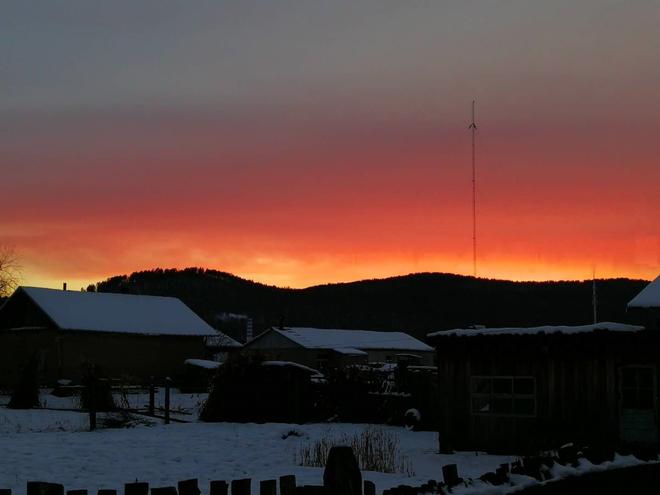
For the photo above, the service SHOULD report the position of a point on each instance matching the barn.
(321, 348)
(128, 336)
(518, 390)
(644, 308)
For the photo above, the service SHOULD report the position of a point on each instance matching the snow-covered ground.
(54, 446)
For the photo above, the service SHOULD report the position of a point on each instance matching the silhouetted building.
(517, 390)
(644, 308)
(322, 348)
(129, 336)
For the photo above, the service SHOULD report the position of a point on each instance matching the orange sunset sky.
(298, 143)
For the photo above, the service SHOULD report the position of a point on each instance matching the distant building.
(644, 308)
(517, 390)
(129, 336)
(323, 348)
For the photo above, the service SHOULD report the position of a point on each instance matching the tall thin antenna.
(473, 128)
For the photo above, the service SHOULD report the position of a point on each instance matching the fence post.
(288, 485)
(76, 492)
(218, 488)
(137, 488)
(91, 391)
(450, 474)
(369, 488)
(241, 487)
(268, 487)
(41, 488)
(152, 397)
(165, 490)
(342, 474)
(104, 491)
(5, 491)
(188, 487)
(167, 400)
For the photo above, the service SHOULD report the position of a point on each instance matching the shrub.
(26, 393)
(375, 448)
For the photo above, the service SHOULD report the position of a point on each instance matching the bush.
(375, 448)
(26, 392)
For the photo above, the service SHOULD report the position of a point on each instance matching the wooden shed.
(322, 348)
(644, 308)
(518, 390)
(129, 336)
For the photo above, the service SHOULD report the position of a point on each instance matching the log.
(165, 490)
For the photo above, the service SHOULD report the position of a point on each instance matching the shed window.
(503, 395)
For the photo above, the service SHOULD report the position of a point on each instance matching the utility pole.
(473, 128)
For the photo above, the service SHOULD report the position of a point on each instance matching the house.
(322, 348)
(518, 390)
(644, 308)
(130, 336)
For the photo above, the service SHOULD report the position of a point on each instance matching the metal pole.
(473, 128)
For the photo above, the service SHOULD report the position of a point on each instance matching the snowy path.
(163, 455)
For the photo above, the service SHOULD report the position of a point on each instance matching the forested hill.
(417, 303)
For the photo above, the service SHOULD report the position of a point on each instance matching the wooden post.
(167, 400)
(288, 485)
(5, 491)
(241, 487)
(91, 390)
(342, 474)
(369, 488)
(41, 488)
(76, 492)
(450, 474)
(152, 397)
(188, 487)
(268, 487)
(165, 490)
(137, 488)
(218, 488)
(104, 491)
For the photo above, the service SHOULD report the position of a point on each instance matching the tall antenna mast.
(473, 128)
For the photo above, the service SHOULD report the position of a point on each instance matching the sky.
(306, 142)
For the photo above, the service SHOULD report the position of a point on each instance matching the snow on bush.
(375, 449)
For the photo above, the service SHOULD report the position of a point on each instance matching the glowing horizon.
(299, 144)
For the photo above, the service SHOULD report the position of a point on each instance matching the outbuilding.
(322, 348)
(125, 336)
(518, 390)
(644, 308)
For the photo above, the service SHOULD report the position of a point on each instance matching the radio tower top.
(473, 128)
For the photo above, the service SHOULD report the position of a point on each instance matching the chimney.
(64, 286)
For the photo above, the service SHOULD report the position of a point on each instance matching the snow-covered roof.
(349, 351)
(118, 313)
(202, 363)
(649, 297)
(291, 364)
(320, 338)
(563, 329)
(221, 340)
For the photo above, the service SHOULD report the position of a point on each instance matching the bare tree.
(10, 270)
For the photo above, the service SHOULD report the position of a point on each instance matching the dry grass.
(375, 449)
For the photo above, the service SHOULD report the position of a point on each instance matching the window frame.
(512, 396)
